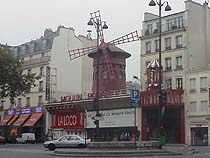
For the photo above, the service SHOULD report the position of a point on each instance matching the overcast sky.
(24, 20)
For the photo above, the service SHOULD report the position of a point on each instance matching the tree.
(13, 82)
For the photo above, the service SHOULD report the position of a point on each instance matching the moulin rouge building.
(75, 114)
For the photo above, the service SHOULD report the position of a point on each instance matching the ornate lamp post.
(167, 8)
(98, 25)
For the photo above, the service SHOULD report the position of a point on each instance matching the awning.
(33, 119)
(13, 120)
(22, 118)
(7, 118)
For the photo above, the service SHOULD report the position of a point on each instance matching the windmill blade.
(108, 64)
(131, 37)
(76, 53)
(96, 17)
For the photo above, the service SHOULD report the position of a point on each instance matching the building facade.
(58, 76)
(185, 62)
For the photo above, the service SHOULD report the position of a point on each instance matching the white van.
(26, 138)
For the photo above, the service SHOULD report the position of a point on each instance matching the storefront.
(66, 120)
(25, 120)
(117, 121)
(115, 125)
(199, 135)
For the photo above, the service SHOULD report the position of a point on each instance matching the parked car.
(67, 141)
(2, 140)
(26, 138)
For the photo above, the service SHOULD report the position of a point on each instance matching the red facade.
(68, 120)
(112, 63)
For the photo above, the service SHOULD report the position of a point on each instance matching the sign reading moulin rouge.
(70, 120)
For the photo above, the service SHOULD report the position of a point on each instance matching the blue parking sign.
(135, 97)
(135, 94)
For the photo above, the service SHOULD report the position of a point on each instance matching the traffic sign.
(135, 97)
(135, 94)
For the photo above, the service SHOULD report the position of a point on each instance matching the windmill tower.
(108, 60)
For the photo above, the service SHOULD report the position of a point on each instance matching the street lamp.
(167, 8)
(97, 23)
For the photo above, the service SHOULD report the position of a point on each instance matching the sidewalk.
(72, 152)
(187, 150)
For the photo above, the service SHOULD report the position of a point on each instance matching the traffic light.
(163, 97)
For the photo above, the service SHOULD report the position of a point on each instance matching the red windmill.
(108, 59)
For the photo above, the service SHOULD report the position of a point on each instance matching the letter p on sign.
(135, 94)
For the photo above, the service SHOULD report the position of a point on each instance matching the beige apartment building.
(48, 57)
(186, 62)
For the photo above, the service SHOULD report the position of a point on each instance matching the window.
(40, 100)
(148, 30)
(146, 64)
(168, 63)
(192, 85)
(179, 62)
(16, 51)
(29, 71)
(203, 84)
(113, 74)
(31, 47)
(104, 74)
(23, 49)
(168, 43)
(168, 83)
(179, 83)
(41, 72)
(41, 86)
(204, 106)
(192, 107)
(19, 103)
(179, 41)
(157, 45)
(148, 47)
(28, 101)
(120, 75)
(44, 44)
(179, 22)
(175, 23)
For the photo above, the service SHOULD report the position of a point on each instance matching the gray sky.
(24, 20)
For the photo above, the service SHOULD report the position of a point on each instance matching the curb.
(112, 153)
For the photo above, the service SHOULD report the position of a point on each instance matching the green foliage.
(12, 80)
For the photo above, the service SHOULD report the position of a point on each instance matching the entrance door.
(171, 122)
(199, 136)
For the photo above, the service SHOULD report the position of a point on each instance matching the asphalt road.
(37, 151)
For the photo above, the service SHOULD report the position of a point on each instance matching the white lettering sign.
(67, 120)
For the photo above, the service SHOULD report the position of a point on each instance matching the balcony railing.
(151, 98)
(36, 61)
(164, 27)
